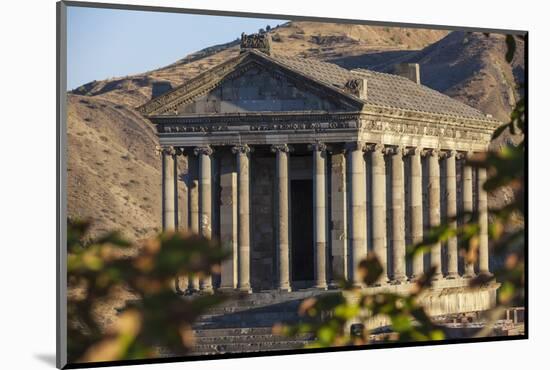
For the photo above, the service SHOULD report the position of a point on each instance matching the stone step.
(265, 298)
(289, 306)
(247, 316)
(232, 331)
(266, 338)
(242, 324)
(203, 349)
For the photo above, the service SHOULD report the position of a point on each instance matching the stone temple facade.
(301, 168)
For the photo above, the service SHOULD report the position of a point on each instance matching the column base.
(190, 291)
(245, 289)
(414, 278)
(398, 280)
(322, 286)
(452, 275)
(284, 289)
(437, 276)
(226, 288)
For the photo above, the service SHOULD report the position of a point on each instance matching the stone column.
(483, 222)
(319, 209)
(181, 210)
(182, 206)
(193, 188)
(338, 220)
(452, 242)
(398, 215)
(379, 209)
(205, 200)
(282, 227)
(435, 207)
(467, 205)
(243, 206)
(358, 210)
(168, 189)
(228, 219)
(416, 210)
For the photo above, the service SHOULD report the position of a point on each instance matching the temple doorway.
(301, 193)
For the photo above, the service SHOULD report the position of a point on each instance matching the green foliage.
(330, 316)
(510, 48)
(99, 269)
(506, 169)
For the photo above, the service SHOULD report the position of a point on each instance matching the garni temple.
(301, 168)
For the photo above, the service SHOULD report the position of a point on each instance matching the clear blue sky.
(104, 43)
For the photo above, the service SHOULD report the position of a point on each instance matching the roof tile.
(383, 89)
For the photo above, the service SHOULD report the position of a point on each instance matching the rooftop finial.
(258, 41)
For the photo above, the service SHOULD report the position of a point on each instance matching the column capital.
(281, 148)
(449, 153)
(179, 150)
(354, 145)
(241, 149)
(434, 152)
(170, 150)
(376, 148)
(464, 155)
(416, 150)
(205, 150)
(317, 146)
(395, 150)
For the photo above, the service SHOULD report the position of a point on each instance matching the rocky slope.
(467, 66)
(114, 173)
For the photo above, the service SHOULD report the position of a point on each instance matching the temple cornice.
(387, 122)
(390, 130)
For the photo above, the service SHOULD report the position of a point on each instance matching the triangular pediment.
(250, 82)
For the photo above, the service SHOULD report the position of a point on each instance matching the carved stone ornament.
(357, 87)
(205, 150)
(376, 148)
(169, 150)
(450, 153)
(414, 151)
(464, 155)
(281, 148)
(432, 153)
(259, 41)
(395, 150)
(241, 149)
(317, 146)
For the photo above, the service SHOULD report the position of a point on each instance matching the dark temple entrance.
(301, 193)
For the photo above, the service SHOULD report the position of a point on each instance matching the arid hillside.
(114, 173)
(469, 67)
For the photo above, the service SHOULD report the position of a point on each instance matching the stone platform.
(244, 325)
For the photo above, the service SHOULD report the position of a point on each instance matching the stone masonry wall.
(262, 268)
(338, 217)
